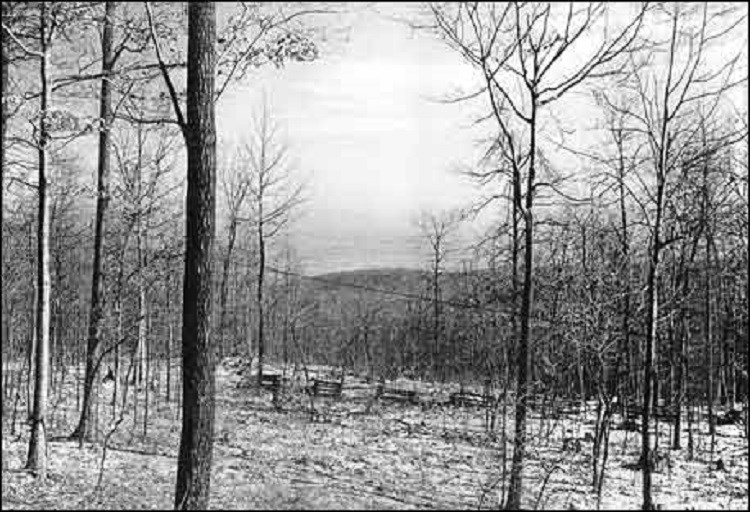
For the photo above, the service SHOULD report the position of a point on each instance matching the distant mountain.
(401, 279)
(389, 284)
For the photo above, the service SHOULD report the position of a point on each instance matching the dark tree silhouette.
(198, 360)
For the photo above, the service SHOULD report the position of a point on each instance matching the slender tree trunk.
(147, 389)
(8, 356)
(30, 354)
(708, 297)
(681, 332)
(652, 298)
(140, 348)
(96, 313)
(37, 455)
(4, 61)
(523, 363)
(259, 290)
(142, 306)
(652, 311)
(623, 376)
(285, 326)
(120, 327)
(224, 284)
(198, 359)
(169, 339)
(54, 308)
(436, 308)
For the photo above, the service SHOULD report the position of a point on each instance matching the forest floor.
(392, 456)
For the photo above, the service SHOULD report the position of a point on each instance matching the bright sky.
(364, 124)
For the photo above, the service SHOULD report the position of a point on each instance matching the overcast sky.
(364, 124)
(367, 132)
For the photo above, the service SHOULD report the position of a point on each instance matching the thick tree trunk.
(37, 456)
(93, 347)
(198, 360)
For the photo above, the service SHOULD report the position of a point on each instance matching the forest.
(164, 345)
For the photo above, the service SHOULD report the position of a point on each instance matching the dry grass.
(398, 456)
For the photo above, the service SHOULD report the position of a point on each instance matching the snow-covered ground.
(392, 456)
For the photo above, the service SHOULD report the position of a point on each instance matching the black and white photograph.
(374, 255)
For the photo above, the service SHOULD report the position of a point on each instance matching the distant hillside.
(390, 284)
(400, 279)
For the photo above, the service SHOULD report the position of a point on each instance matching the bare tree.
(529, 57)
(663, 95)
(274, 194)
(437, 228)
(234, 184)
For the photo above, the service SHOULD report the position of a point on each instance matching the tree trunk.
(709, 345)
(140, 347)
(622, 372)
(37, 455)
(170, 336)
(147, 386)
(30, 354)
(224, 285)
(198, 361)
(142, 305)
(5, 69)
(259, 296)
(93, 347)
(120, 327)
(652, 312)
(652, 297)
(519, 441)
(436, 308)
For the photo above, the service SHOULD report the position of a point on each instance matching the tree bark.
(198, 360)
